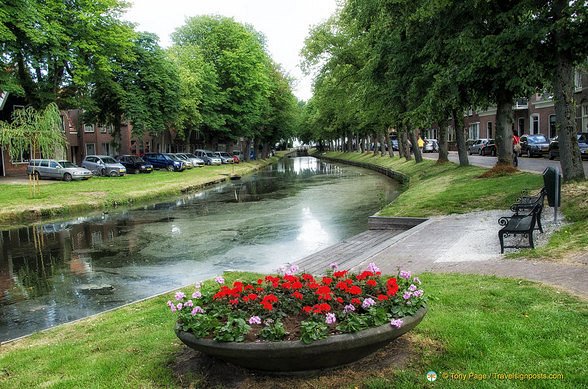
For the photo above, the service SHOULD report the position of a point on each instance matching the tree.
(38, 132)
(79, 38)
(145, 91)
(239, 75)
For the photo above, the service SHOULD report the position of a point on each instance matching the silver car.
(208, 157)
(104, 165)
(477, 146)
(62, 170)
(192, 158)
(224, 156)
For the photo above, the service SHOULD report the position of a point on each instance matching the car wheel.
(170, 168)
(113, 173)
(67, 177)
(37, 176)
(103, 172)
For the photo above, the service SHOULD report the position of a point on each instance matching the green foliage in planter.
(274, 331)
(313, 329)
(234, 330)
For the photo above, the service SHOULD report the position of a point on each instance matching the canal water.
(55, 273)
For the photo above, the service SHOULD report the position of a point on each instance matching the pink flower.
(254, 320)
(196, 295)
(180, 295)
(368, 302)
(334, 266)
(373, 268)
(407, 295)
(196, 310)
(331, 318)
(396, 323)
(219, 280)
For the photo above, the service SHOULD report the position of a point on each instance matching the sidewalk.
(469, 243)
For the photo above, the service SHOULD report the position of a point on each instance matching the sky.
(285, 24)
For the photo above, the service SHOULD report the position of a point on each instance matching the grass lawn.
(62, 199)
(439, 189)
(475, 324)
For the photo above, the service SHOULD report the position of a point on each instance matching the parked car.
(224, 156)
(104, 165)
(553, 151)
(62, 170)
(430, 146)
(187, 161)
(208, 157)
(532, 145)
(489, 148)
(394, 144)
(476, 147)
(165, 161)
(134, 164)
(192, 158)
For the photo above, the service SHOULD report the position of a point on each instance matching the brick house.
(83, 138)
(534, 115)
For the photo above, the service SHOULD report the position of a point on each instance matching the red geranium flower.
(298, 295)
(307, 309)
(340, 273)
(325, 307)
(356, 301)
(355, 290)
(371, 283)
(382, 297)
(327, 280)
(296, 285)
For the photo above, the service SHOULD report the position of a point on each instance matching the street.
(535, 165)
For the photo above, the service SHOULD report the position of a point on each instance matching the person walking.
(516, 149)
(421, 143)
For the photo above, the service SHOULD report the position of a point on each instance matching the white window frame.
(106, 148)
(584, 118)
(93, 146)
(474, 130)
(534, 124)
(88, 128)
(577, 81)
(551, 134)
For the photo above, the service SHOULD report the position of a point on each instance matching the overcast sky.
(285, 23)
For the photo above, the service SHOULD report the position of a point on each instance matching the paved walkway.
(462, 244)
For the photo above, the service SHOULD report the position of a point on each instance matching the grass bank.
(62, 199)
(439, 189)
(475, 324)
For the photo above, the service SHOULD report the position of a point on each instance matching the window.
(521, 126)
(489, 128)
(90, 148)
(106, 149)
(88, 128)
(474, 131)
(552, 127)
(102, 129)
(534, 125)
(23, 157)
(578, 81)
(584, 118)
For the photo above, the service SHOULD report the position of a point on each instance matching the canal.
(55, 273)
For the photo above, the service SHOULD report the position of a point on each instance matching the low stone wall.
(403, 179)
(393, 223)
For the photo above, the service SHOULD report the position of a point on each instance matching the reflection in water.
(60, 272)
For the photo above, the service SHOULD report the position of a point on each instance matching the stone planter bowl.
(292, 357)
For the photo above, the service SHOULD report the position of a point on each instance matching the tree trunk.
(266, 150)
(418, 157)
(247, 149)
(389, 143)
(405, 146)
(503, 138)
(460, 137)
(563, 87)
(442, 142)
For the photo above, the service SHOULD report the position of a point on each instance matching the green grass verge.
(475, 324)
(439, 189)
(61, 199)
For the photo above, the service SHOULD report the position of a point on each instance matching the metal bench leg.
(531, 239)
(501, 238)
(539, 222)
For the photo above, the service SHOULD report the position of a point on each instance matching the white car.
(62, 170)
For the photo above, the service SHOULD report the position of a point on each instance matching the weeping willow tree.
(37, 132)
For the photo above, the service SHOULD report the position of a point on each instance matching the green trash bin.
(552, 184)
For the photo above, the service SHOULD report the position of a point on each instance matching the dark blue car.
(165, 161)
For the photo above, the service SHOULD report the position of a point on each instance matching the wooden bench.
(526, 218)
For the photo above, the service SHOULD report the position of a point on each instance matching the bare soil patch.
(194, 369)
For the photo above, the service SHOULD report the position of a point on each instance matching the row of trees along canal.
(411, 63)
(216, 79)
